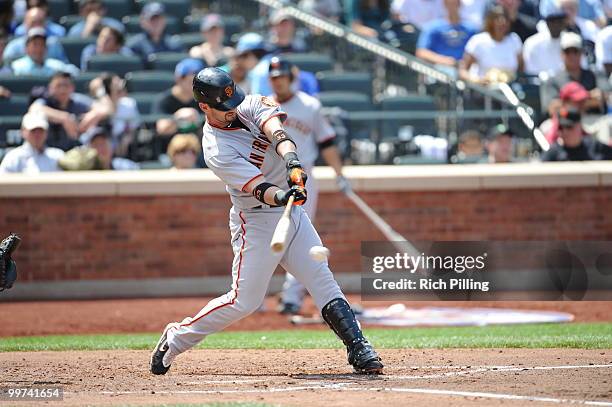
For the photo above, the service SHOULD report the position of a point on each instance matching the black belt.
(265, 207)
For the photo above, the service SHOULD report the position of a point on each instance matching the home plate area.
(316, 377)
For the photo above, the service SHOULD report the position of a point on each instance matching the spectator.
(16, 48)
(99, 138)
(542, 51)
(109, 41)
(571, 96)
(325, 8)
(33, 156)
(184, 121)
(573, 144)
(365, 17)
(417, 12)
(587, 29)
(69, 113)
(181, 94)
(110, 94)
(212, 51)
(603, 50)
(499, 145)
(153, 38)
(473, 12)
(283, 33)
(469, 148)
(7, 16)
(493, 55)
(183, 151)
(521, 24)
(443, 41)
(238, 72)
(252, 56)
(4, 68)
(93, 19)
(588, 9)
(36, 62)
(596, 85)
(38, 17)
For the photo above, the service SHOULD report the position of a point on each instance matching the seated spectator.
(283, 33)
(36, 62)
(212, 51)
(588, 9)
(499, 145)
(183, 151)
(109, 41)
(181, 94)
(365, 17)
(493, 55)
(443, 41)
(7, 16)
(99, 138)
(469, 148)
(573, 144)
(324, 8)
(93, 19)
(153, 38)
(417, 12)
(16, 48)
(33, 156)
(473, 12)
(69, 113)
(109, 92)
(587, 29)
(253, 56)
(603, 50)
(596, 85)
(542, 51)
(523, 25)
(38, 17)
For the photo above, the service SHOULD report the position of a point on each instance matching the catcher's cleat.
(361, 355)
(288, 308)
(161, 357)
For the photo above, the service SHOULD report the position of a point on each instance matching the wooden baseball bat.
(279, 238)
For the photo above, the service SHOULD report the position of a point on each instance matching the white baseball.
(319, 253)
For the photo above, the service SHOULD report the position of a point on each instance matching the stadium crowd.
(87, 85)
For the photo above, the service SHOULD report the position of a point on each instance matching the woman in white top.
(494, 55)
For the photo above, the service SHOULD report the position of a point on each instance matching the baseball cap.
(279, 15)
(250, 42)
(573, 92)
(188, 66)
(211, 21)
(36, 32)
(94, 132)
(151, 10)
(499, 130)
(279, 67)
(33, 121)
(568, 116)
(570, 40)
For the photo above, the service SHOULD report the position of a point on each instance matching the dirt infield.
(119, 316)
(491, 377)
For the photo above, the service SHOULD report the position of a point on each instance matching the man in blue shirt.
(442, 42)
(37, 17)
(93, 19)
(36, 62)
(153, 39)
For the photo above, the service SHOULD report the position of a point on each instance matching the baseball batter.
(312, 133)
(246, 146)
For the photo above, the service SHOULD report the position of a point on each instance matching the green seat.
(14, 106)
(22, 84)
(345, 81)
(73, 47)
(118, 8)
(119, 64)
(189, 40)
(68, 21)
(8, 125)
(234, 25)
(149, 81)
(81, 82)
(311, 62)
(351, 102)
(132, 24)
(59, 8)
(390, 128)
(144, 100)
(166, 61)
(149, 120)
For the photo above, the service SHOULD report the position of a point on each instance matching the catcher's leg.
(252, 269)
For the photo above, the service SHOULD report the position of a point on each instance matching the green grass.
(575, 335)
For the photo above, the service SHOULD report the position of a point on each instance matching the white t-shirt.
(491, 54)
(419, 12)
(25, 159)
(306, 126)
(603, 47)
(542, 53)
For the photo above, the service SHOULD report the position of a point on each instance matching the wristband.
(260, 191)
(280, 136)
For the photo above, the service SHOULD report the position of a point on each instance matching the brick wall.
(119, 237)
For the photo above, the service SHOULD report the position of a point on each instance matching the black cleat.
(157, 357)
(364, 358)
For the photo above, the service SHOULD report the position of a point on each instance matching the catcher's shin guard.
(341, 319)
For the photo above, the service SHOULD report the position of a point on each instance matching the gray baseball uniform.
(307, 127)
(237, 155)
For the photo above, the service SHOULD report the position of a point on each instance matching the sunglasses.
(186, 150)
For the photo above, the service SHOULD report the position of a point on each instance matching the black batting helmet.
(280, 67)
(216, 88)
